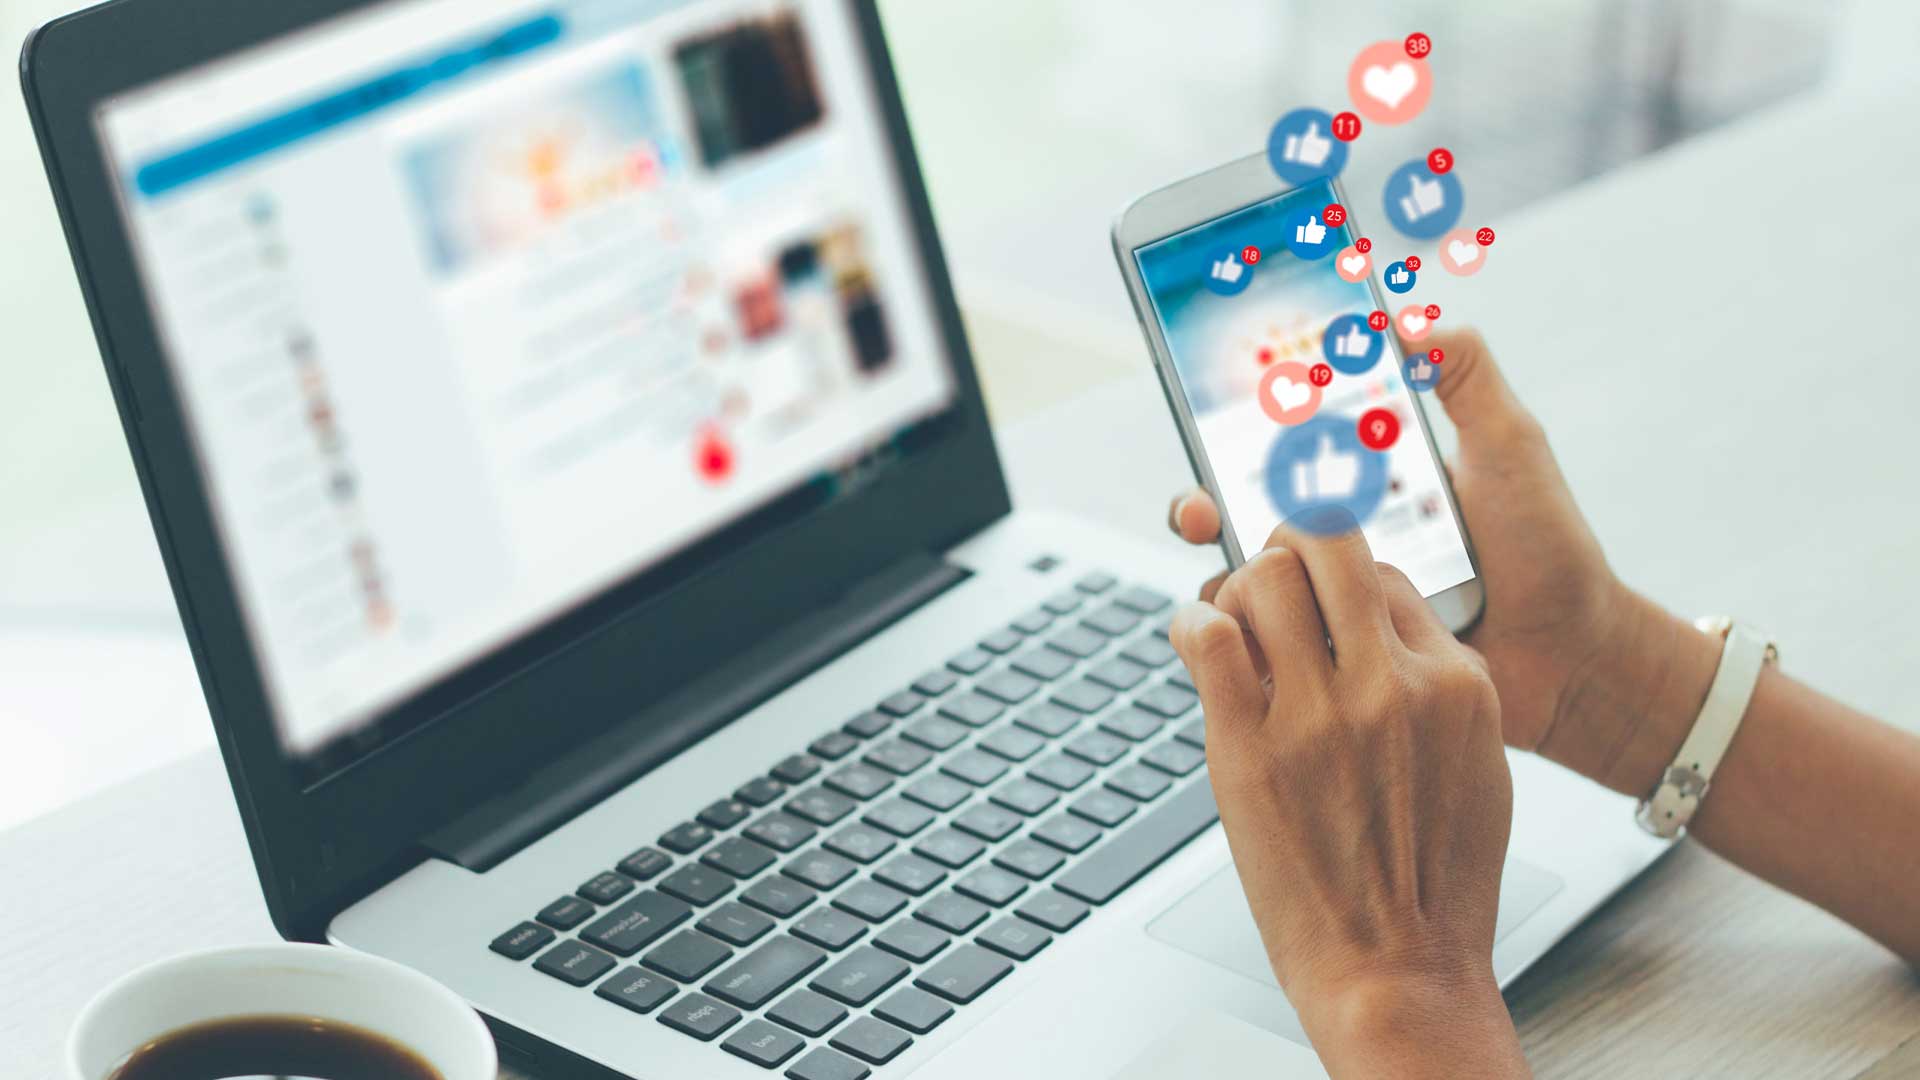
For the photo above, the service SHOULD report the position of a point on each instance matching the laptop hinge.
(494, 830)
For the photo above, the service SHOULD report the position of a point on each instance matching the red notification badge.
(1334, 215)
(1250, 255)
(1377, 321)
(1413, 263)
(1433, 311)
(1435, 356)
(1379, 429)
(1440, 160)
(1484, 237)
(1346, 126)
(1419, 45)
(1319, 374)
(1363, 245)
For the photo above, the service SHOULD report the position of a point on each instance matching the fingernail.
(1192, 616)
(1179, 512)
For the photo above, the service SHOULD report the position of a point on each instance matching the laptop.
(577, 493)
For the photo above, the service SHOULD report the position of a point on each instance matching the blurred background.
(1036, 121)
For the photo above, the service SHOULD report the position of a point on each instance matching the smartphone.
(1232, 344)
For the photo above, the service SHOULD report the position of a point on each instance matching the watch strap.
(1743, 654)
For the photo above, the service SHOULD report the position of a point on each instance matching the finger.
(1477, 397)
(1214, 648)
(1414, 620)
(1339, 567)
(1193, 517)
(1211, 587)
(1271, 597)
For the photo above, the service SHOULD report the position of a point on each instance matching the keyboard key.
(915, 1010)
(937, 732)
(724, 814)
(781, 832)
(1063, 772)
(1096, 583)
(638, 990)
(991, 885)
(777, 896)
(938, 792)
(739, 856)
(1167, 700)
(874, 1041)
(861, 843)
(1139, 782)
(735, 923)
(859, 781)
(898, 757)
(971, 661)
(871, 901)
(686, 956)
(952, 912)
(807, 1013)
(699, 1016)
(1164, 628)
(637, 923)
(974, 767)
(1063, 603)
(867, 724)
(1194, 734)
(1117, 673)
(1112, 621)
(860, 976)
(697, 885)
(1127, 856)
(913, 940)
(989, 823)
(1029, 858)
(522, 941)
(1001, 641)
(833, 746)
(566, 913)
(825, 1064)
(899, 817)
(645, 864)
(761, 975)
(820, 806)
(935, 683)
(1013, 937)
(1097, 748)
(1150, 652)
(1048, 719)
(686, 837)
(1083, 695)
(1045, 664)
(1008, 686)
(795, 769)
(973, 710)
(574, 963)
(762, 790)
(1024, 796)
(829, 928)
(902, 703)
(605, 887)
(1104, 808)
(1143, 600)
(1077, 642)
(1033, 621)
(949, 848)
(1176, 758)
(1012, 743)
(1132, 722)
(964, 974)
(1181, 678)
(910, 874)
(763, 1044)
(820, 869)
(1068, 833)
(1056, 911)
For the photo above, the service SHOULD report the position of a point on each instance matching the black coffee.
(289, 1047)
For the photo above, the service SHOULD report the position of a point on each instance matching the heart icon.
(1413, 322)
(1389, 85)
(1289, 395)
(1354, 264)
(1462, 253)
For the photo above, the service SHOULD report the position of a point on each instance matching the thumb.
(1313, 129)
(1474, 392)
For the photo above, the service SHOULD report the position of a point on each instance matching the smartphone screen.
(1225, 349)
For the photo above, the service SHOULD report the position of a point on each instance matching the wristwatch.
(1744, 652)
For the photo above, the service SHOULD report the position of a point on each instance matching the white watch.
(1743, 655)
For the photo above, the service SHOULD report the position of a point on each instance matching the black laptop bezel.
(319, 847)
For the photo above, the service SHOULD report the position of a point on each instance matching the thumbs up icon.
(1355, 342)
(1228, 270)
(1330, 475)
(1312, 232)
(1424, 198)
(1309, 148)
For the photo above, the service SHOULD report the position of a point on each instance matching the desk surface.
(1730, 424)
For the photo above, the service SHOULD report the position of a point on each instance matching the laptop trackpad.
(1212, 922)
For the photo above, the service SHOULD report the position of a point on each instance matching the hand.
(1366, 799)
(1310, 233)
(1580, 661)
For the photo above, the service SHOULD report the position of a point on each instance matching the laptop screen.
(480, 308)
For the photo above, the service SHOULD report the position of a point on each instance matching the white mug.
(281, 980)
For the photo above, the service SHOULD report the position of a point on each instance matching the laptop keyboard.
(864, 889)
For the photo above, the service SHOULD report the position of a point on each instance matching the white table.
(1767, 471)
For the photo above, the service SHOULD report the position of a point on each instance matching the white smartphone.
(1225, 336)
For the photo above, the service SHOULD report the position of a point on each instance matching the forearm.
(1414, 1029)
(1812, 796)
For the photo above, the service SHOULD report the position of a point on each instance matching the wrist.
(1420, 1024)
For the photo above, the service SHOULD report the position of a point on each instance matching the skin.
(1368, 805)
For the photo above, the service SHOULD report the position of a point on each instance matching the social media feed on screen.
(1244, 339)
(540, 296)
